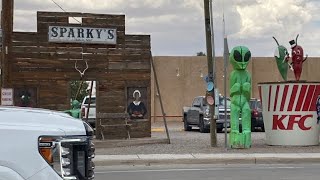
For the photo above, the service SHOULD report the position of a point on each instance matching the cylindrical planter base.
(289, 113)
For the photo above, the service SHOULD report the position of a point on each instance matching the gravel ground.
(183, 142)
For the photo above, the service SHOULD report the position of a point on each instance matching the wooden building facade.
(32, 64)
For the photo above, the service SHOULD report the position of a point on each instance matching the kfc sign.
(292, 119)
(289, 113)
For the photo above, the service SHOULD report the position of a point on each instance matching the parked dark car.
(256, 115)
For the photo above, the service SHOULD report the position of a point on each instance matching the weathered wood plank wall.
(49, 67)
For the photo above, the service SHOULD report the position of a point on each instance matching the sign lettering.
(7, 97)
(82, 35)
(292, 119)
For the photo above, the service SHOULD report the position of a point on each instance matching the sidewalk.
(193, 147)
(235, 158)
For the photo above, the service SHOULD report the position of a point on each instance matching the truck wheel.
(253, 125)
(186, 124)
(262, 128)
(202, 126)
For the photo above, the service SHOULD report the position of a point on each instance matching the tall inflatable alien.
(282, 57)
(240, 93)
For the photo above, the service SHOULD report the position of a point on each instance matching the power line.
(58, 5)
(81, 73)
(65, 11)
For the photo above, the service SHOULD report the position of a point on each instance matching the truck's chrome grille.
(222, 116)
(82, 154)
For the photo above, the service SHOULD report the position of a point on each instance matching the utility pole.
(210, 92)
(7, 29)
(213, 47)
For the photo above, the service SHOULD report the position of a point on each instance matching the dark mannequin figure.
(137, 109)
(25, 99)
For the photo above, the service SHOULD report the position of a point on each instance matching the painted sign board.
(6, 96)
(87, 35)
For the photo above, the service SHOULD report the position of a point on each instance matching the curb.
(157, 130)
(128, 142)
(160, 159)
(163, 129)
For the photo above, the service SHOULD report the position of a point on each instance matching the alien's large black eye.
(237, 56)
(247, 56)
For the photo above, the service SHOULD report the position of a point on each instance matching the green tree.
(74, 86)
(201, 53)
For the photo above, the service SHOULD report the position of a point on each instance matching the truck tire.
(186, 125)
(262, 128)
(202, 127)
(253, 125)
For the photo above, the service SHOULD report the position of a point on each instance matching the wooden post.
(89, 103)
(213, 126)
(7, 29)
(160, 99)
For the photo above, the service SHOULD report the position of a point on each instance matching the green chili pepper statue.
(282, 57)
(240, 93)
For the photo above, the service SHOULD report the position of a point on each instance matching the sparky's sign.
(62, 34)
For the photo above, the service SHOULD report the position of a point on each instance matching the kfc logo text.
(293, 119)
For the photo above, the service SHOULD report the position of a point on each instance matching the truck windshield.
(259, 105)
(93, 100)
(255, 104)
(221, 102)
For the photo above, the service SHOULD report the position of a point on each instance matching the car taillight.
(83, 112)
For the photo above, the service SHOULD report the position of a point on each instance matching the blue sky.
(177, 26)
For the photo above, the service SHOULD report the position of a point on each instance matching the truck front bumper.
(220, 123)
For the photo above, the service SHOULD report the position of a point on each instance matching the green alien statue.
(75, 111)
(240, 93)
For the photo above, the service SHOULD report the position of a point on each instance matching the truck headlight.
(207, 112)
(70, 157)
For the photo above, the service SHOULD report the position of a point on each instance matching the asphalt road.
(212, 172)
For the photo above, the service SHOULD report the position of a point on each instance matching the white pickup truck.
(38, 144)
(92, 111)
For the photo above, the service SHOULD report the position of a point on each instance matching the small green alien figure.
(75, 111)
(240, 93)
(282, 57)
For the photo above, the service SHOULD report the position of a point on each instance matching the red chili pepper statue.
(297, 58)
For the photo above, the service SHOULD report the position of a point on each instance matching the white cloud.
(267, 17)
(177, 26)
